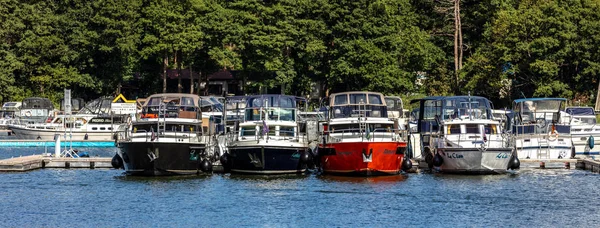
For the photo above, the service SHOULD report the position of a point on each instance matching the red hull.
(362, 158)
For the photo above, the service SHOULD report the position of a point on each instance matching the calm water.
(107, 198)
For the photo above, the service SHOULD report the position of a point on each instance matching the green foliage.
(401, 47)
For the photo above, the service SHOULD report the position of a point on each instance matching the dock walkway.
(32, 162)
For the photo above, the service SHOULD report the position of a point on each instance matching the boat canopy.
(580, 111)
(358, 103)
(100, 106)
(176, 105)
(11, 106)
(37, 103)
(394, 103)
(539, 105)
(437, 109)
(273, 107)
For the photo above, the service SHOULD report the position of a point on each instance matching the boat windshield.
(98, 106)
(580, 111)
(36, 103)
(355, 104)
(393, 103)
(271, 107)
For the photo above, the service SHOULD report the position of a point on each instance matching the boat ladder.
(543, 148)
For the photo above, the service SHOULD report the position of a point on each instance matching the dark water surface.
(107, 198)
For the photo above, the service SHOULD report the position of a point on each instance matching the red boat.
(359, 138)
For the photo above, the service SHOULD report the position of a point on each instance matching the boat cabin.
(10, 109)
(357, 104)
(581, 115)
(270, 114)
(36, 107)
(437, 110)
(173, 105)
(395, 107)
(538, 115)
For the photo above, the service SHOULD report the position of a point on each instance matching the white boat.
(584, 130)
(539, 131)
(168, 139)
(268, 140)
(35, 110)
(396, 111)
(92, 123)
(458, 135)
(9, 113)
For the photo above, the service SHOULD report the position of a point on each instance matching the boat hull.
(474, 161)
(362, 158)
(161, 158)
(262, 159)
(45, 134)
(541, 147)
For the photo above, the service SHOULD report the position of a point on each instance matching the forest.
(500, 49)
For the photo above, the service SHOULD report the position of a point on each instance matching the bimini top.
(271, 100)
(174, 99)
(357, 104)
(538, 105)
(174, 105)
(453, 107)
(37, 103)
(580, 111)
(357, 98)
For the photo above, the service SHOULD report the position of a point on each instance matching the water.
(108, 198)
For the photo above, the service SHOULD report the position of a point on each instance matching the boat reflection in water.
(371, 179)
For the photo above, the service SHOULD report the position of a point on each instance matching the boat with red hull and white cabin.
(359, 139)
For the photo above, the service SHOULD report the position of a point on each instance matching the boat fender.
(428, 157)
(305, 157)
(205, 166)
(406, 164)
(591, 142)
(116, 162)
(438, 160)
(224, 159)
(514, 162)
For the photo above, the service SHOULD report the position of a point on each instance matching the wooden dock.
(33, 162)
(589, 164)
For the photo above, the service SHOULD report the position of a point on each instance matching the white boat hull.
(47, 134)
(474, 161)
(541, 147)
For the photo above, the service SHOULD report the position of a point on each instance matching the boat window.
(286, 131)
(94, 128)
(341, 99)
(287, 115)
(358, 98)
(110, 128)
(490, 129)
(375, 99)
(102, 128)
(273, 113)
(187, 101)
(471, 128)
(252, 114)
(453, 129)
(248, 131)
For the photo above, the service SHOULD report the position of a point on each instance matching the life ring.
(28, 113)
(553, 135)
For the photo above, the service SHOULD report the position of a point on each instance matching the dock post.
(57, 145)
(567, 165)
(543, 165)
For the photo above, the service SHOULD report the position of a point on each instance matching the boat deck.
(33, 162)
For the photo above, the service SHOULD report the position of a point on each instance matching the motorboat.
(268, 140)
(584, 130)
(35, 110)
(92, 123)
(9, 113)
(458, 134)
(358, 137)
(539, 131)
(168, 139)
(395, 110)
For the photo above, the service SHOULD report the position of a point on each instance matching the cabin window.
(341, 99)
(453, 129)
(286, 131)
(358, 98)
(248, 131)
(471, 128)
(375, 99)
(287, 115)
(273, 113)
(490, 129)
(95, 128)
(102, 128)
(110, 128)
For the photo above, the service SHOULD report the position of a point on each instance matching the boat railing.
(271, 135)
(377, 134)
(150, 136)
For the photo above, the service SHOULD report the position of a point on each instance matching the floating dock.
(33, 162)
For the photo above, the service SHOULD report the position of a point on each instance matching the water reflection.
(392, 179)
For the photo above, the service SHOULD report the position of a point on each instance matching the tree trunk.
(165, 65)
(178, 75)
(199, 81)
(191, 80)
(460, 39)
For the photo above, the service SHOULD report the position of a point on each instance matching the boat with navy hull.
(459, 134)
(168, 139)
(268, 140)
(359, 138)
